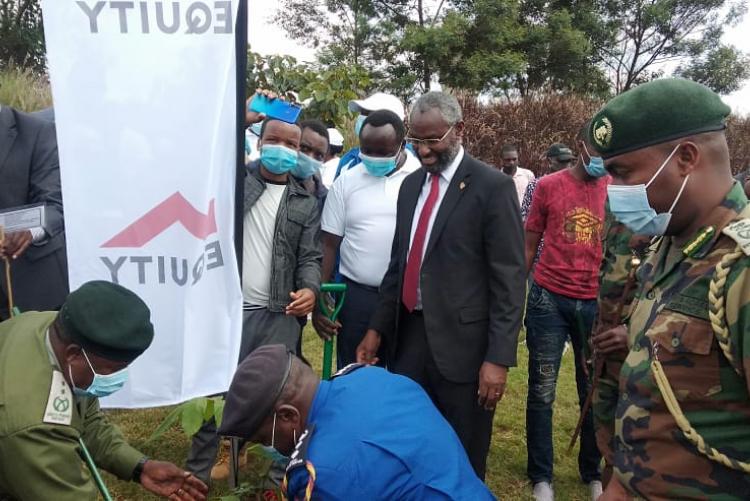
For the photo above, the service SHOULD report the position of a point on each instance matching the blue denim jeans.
(551, 319)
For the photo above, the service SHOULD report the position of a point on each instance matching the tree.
(653, 32)
(722, 69)
(364, 33)
(516, 46)
(474, 46)
(21, 34)
(325, 92)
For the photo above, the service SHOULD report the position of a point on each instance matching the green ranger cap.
(109, 320)
(656, 112)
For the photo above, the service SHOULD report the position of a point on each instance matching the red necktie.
(414, 261)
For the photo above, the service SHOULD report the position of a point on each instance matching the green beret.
(108, 320)
(656, 112)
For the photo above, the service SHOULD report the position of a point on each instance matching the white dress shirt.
(522, 178)
(445, 180)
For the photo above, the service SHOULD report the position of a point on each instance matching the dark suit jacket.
(30, 174)
(473, 273)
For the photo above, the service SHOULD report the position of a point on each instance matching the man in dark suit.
(30, 174)
(451, 301)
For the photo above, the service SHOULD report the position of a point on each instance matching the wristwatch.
(139, 469)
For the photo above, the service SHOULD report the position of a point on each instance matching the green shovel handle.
(339, 291)
(94, 471)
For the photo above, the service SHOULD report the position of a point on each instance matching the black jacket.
(30, 174)
(473, 273)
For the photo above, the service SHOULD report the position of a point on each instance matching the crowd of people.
(632, 249)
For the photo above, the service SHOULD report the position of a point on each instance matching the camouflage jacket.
(670, 320)
(619, 247)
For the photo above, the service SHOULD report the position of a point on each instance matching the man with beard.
(452, 298)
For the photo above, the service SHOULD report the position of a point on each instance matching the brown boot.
(220, 471)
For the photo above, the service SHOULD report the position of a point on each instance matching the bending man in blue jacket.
(365, 434)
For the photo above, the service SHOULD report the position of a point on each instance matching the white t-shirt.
(361, 208)
(257, 245)
(328, 172)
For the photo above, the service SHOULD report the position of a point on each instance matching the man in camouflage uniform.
(681, 429)
(622, 252)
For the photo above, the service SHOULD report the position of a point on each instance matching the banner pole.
(240, 32)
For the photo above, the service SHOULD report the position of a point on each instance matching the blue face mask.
(278, 159)
(358, 124)
(630, 205)
(101, 386)
(595, 167)
(306, 166)
(270, 451)
(380, 166)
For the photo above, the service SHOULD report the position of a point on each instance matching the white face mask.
(630, 205)
(271, 450)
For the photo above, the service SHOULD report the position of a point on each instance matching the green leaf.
(219, 411)
(208, 413)
(192, 416)
(168, 422)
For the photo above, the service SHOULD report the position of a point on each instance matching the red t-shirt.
(570, 215)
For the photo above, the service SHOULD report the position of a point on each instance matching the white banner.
(145, 106)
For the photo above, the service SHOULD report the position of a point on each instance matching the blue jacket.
(374, 435)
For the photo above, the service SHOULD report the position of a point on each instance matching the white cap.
(378, 101)
(335, 137)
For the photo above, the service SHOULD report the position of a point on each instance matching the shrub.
(532, 124)
(24, 90)
(738, 137)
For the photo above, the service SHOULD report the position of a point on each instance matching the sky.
(267, 38)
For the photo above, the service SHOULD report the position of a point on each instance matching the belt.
(369, 288)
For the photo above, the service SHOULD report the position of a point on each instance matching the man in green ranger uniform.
(53, 368)
(682, 419)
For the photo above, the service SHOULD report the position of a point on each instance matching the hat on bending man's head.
(255, 388)
(108, 320)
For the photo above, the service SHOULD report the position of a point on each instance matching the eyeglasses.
(416, 142)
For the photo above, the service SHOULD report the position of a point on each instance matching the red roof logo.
(175, 209)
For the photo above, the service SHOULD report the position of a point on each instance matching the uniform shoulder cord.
(717, 316)
(310, 483)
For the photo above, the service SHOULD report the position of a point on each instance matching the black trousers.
(359, 305)
(457, 402)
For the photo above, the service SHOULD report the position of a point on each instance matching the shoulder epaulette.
(739, 231)
(348, 370)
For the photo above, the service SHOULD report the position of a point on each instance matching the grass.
(506, 469)
(24, 90)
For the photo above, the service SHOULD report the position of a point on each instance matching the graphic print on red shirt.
(569, 213)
